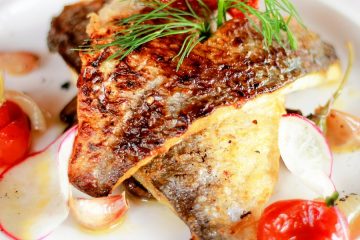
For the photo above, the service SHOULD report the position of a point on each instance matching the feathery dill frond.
(272, 23)
(169, 21)
(164, 20)
(322, 112)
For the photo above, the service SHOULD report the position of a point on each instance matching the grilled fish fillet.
(68, 32)
(219, 179)
(133, 110)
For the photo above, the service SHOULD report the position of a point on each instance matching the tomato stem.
(330, 201)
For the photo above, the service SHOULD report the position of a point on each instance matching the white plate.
(24, 25)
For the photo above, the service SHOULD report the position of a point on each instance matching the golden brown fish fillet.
(133, 110)
(219, 179)
(186, 180)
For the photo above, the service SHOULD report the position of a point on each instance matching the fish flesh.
(219, 179)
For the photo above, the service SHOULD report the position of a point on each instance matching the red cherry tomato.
(302, 220)
(212, 4)
(235, 13)
(14, 134)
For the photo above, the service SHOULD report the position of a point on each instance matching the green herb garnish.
(272, 22)
(173, 21)
(164, 20)
(322, 112)
(330, 201)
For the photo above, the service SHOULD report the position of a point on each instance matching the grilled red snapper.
(218, 179)
(135, 109)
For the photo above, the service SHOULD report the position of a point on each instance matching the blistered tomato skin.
(182, 4)
(302, 220)
(236, 13)
(8, 112)
(212, 4)
(14, 134)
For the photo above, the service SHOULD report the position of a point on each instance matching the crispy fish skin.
(132, 110)
(219, 179)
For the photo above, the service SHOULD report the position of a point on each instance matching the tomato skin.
(181, 4)
(14, 134)
(212, 4)
(8, 112)
(235, 13)
(301, 220)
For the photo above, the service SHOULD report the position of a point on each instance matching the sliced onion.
(29, 106)
(19, 63)
(350, 206)
(306, 153)
(343, 131)
(99, 213)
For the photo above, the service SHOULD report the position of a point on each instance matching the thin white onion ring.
(29, 106)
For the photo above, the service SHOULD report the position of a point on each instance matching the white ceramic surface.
(24, 25)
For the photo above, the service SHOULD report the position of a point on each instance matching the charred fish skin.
(131, 110)
(173, 177)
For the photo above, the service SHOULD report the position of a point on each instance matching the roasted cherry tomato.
(234, 12)
(238, 14)
(212, 4)
(14, 134)
(302, 220)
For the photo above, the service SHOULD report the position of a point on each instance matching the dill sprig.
(272, 23)
(169, 21)
(322, 112)
(164, 20)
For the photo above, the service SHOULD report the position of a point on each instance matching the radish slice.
(306, 153)
(34, 194)
(99, 213)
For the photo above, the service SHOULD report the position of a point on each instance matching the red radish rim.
(65, 135)
(321, 133)
(10, 235)
(8, 168)
(2, 174)
(344, 222)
